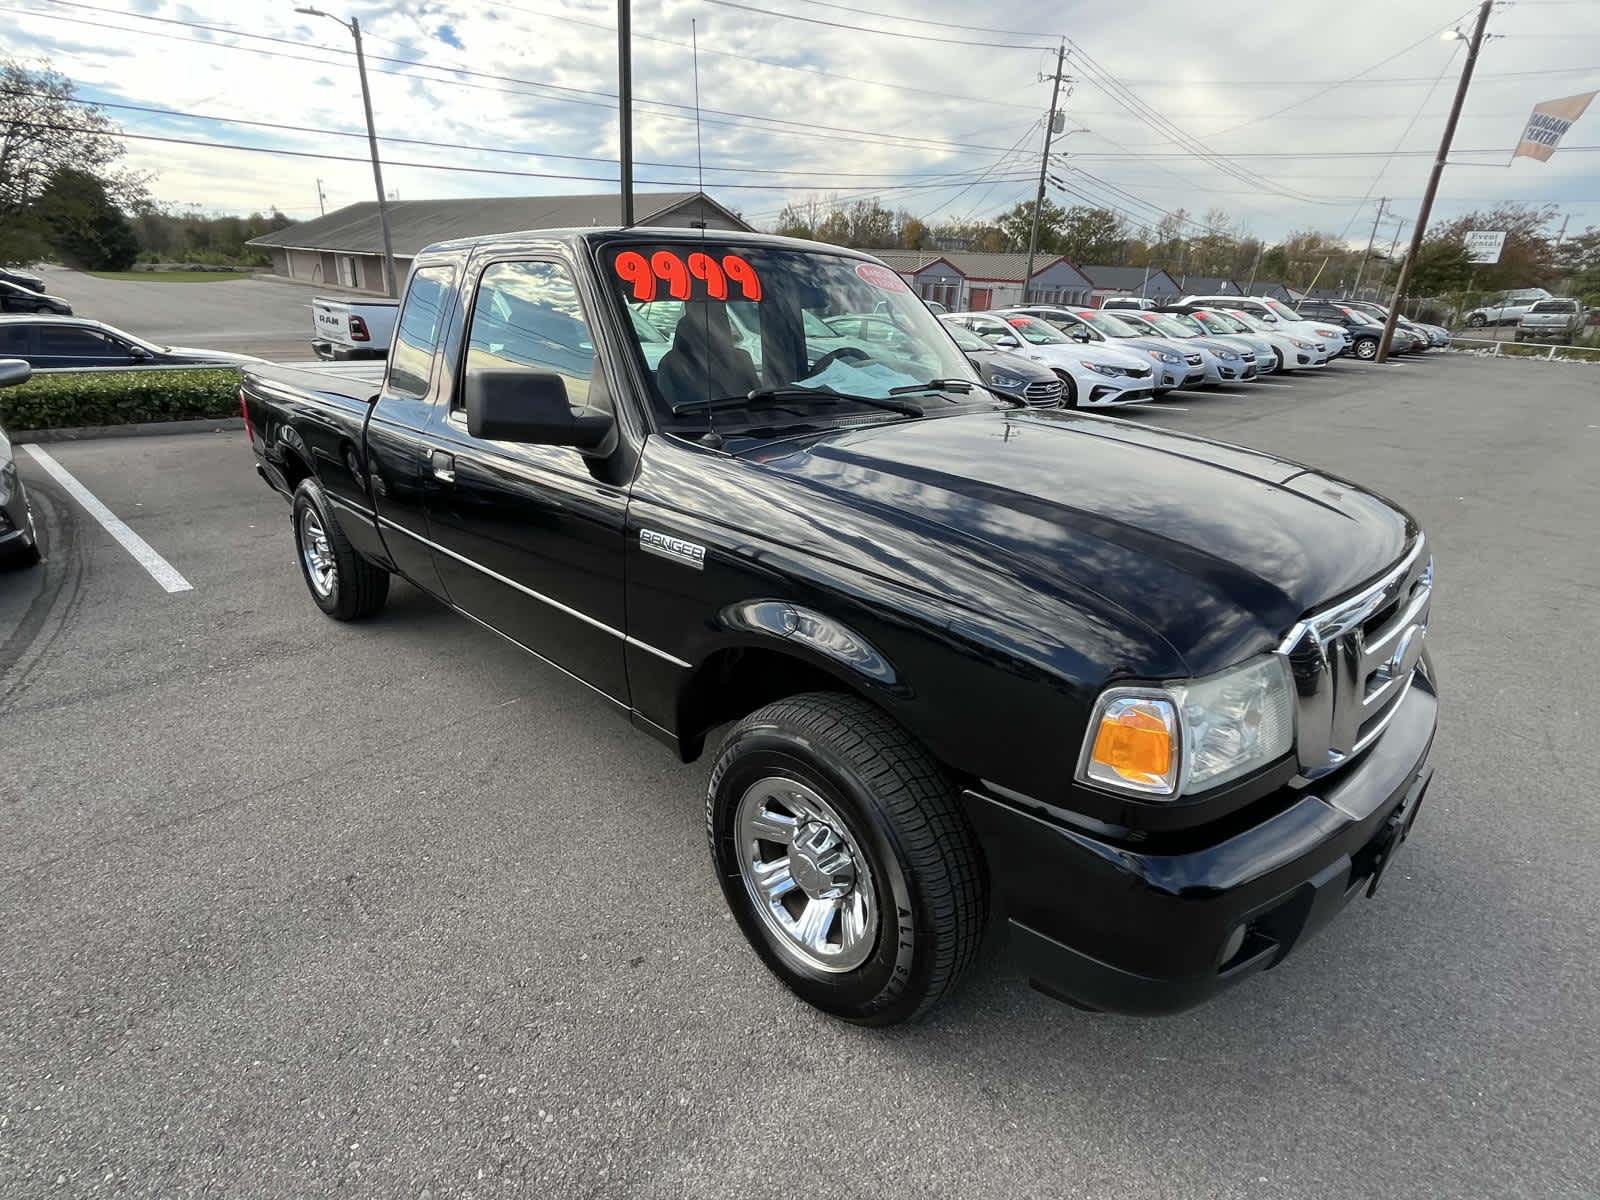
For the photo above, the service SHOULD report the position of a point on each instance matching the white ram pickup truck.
(342, 329)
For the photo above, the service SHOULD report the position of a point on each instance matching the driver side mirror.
(531, 407)
(1004, 340)
(14, 371)
(139, 354)
(1078, 333)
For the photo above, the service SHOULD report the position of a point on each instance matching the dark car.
(1363, 327)
(57, 342)
(1164, 701)
(19, 541)
(26, 279)
(1007, 373)
(15, 298)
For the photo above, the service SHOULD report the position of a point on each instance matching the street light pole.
(625, 106)
(353, 28)
(1433, 181)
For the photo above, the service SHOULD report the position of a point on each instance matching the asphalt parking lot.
(292, 907)
(264, 317)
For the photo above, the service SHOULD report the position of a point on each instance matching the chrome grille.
(1354, 662)
(1043, 393)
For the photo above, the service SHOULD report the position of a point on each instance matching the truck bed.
(356, 381)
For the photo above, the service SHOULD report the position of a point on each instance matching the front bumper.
(1110, 927)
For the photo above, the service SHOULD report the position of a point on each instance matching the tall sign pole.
(1433, 181)
(625, 105)
(1044, 163)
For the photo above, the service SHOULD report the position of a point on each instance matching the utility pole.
(1433, 180)
(353, 28)
(322, 199)
(1044, 163)
(625, 105)
(1372, 237)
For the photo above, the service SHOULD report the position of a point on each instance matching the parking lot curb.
(145, 429)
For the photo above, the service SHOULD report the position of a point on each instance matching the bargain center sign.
(1547, 123)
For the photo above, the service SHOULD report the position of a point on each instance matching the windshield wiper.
(961, 386)
(775, 396)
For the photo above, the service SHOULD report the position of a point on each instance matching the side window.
(70, 342)
(14, 339)
(416, 339)
(527, 315)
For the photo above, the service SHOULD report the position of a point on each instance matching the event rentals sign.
(1484, 245)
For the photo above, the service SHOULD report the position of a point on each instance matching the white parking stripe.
(160, 569)
(1263, 383)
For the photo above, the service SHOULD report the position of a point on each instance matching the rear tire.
(845, 857)
(1366, 349)
(1477, 321)
(342, 584)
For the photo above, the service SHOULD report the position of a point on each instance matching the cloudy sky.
(1288, 114)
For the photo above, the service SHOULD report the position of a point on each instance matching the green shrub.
(120, 398)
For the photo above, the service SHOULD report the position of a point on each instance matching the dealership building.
(344, 249)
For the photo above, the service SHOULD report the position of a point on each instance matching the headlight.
(1184, 738)
(1329, 333)
(1008, 382)
(1299, 345)
(1098, 369)
(1225, 355)
(1163, 356)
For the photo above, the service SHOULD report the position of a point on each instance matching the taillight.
(358, 330)
(244, 411)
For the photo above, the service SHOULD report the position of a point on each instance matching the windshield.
(1040, 333)
(1281, 309)
(716, 321)
(964, 337)
(1250, 321)
(1104, 322)
(1164, 323)
(1361, 318)
(1216, 323)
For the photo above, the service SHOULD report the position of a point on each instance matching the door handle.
(444, 466)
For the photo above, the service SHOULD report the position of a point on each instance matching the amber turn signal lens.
(1135, 742)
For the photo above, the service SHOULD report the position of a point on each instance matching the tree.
(1091, 235)
(1527, 258)
(1442, 267)
(914, 234)
(78, 218)
(1016, 224)
(871, 226)
(42, 131)
(835, 228)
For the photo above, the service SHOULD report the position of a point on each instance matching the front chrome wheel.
(317, 553)
(807, 877)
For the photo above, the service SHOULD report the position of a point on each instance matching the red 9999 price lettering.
(664, 267)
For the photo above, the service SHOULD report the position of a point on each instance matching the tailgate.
(330, 321)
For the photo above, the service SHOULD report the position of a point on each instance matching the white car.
(1294, 352)
(1507, 308)
(1096, 376)
(1278, 315)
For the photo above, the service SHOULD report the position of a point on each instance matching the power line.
(861, 12)
(894, 33)
(607, 100)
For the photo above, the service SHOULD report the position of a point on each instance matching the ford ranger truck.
(1163, 701)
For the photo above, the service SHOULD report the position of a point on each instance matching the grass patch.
(119, 398)
(173, 276)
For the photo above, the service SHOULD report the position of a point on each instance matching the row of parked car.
(23, 292)
(1536, 314)
(1131, 351)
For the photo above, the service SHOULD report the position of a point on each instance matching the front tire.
(1477, 321)
(844, 855)
(1069, 390)
(1366, 348)
(342, 584)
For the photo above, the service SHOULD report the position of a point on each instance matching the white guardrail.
(1524, 349)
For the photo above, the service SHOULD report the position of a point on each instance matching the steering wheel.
(842, 354)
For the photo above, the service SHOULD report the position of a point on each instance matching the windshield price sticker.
(881, 278)
(679, 274)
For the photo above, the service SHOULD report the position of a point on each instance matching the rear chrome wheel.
(808, 880)
(322, 573)
(1367, 348)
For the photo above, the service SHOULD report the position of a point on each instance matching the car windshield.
(1359, 317)
(1169, 325)
(1214, 322)
(815, 334)
(1040, 333)
(964, 337)
(1249, 320)
(1281, 310)
(1104, 322)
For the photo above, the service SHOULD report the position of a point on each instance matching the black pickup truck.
(1163, 701)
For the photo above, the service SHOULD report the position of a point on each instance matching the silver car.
(1175, 366)
(1234, 361)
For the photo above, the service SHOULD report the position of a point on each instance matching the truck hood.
(1217, 549)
